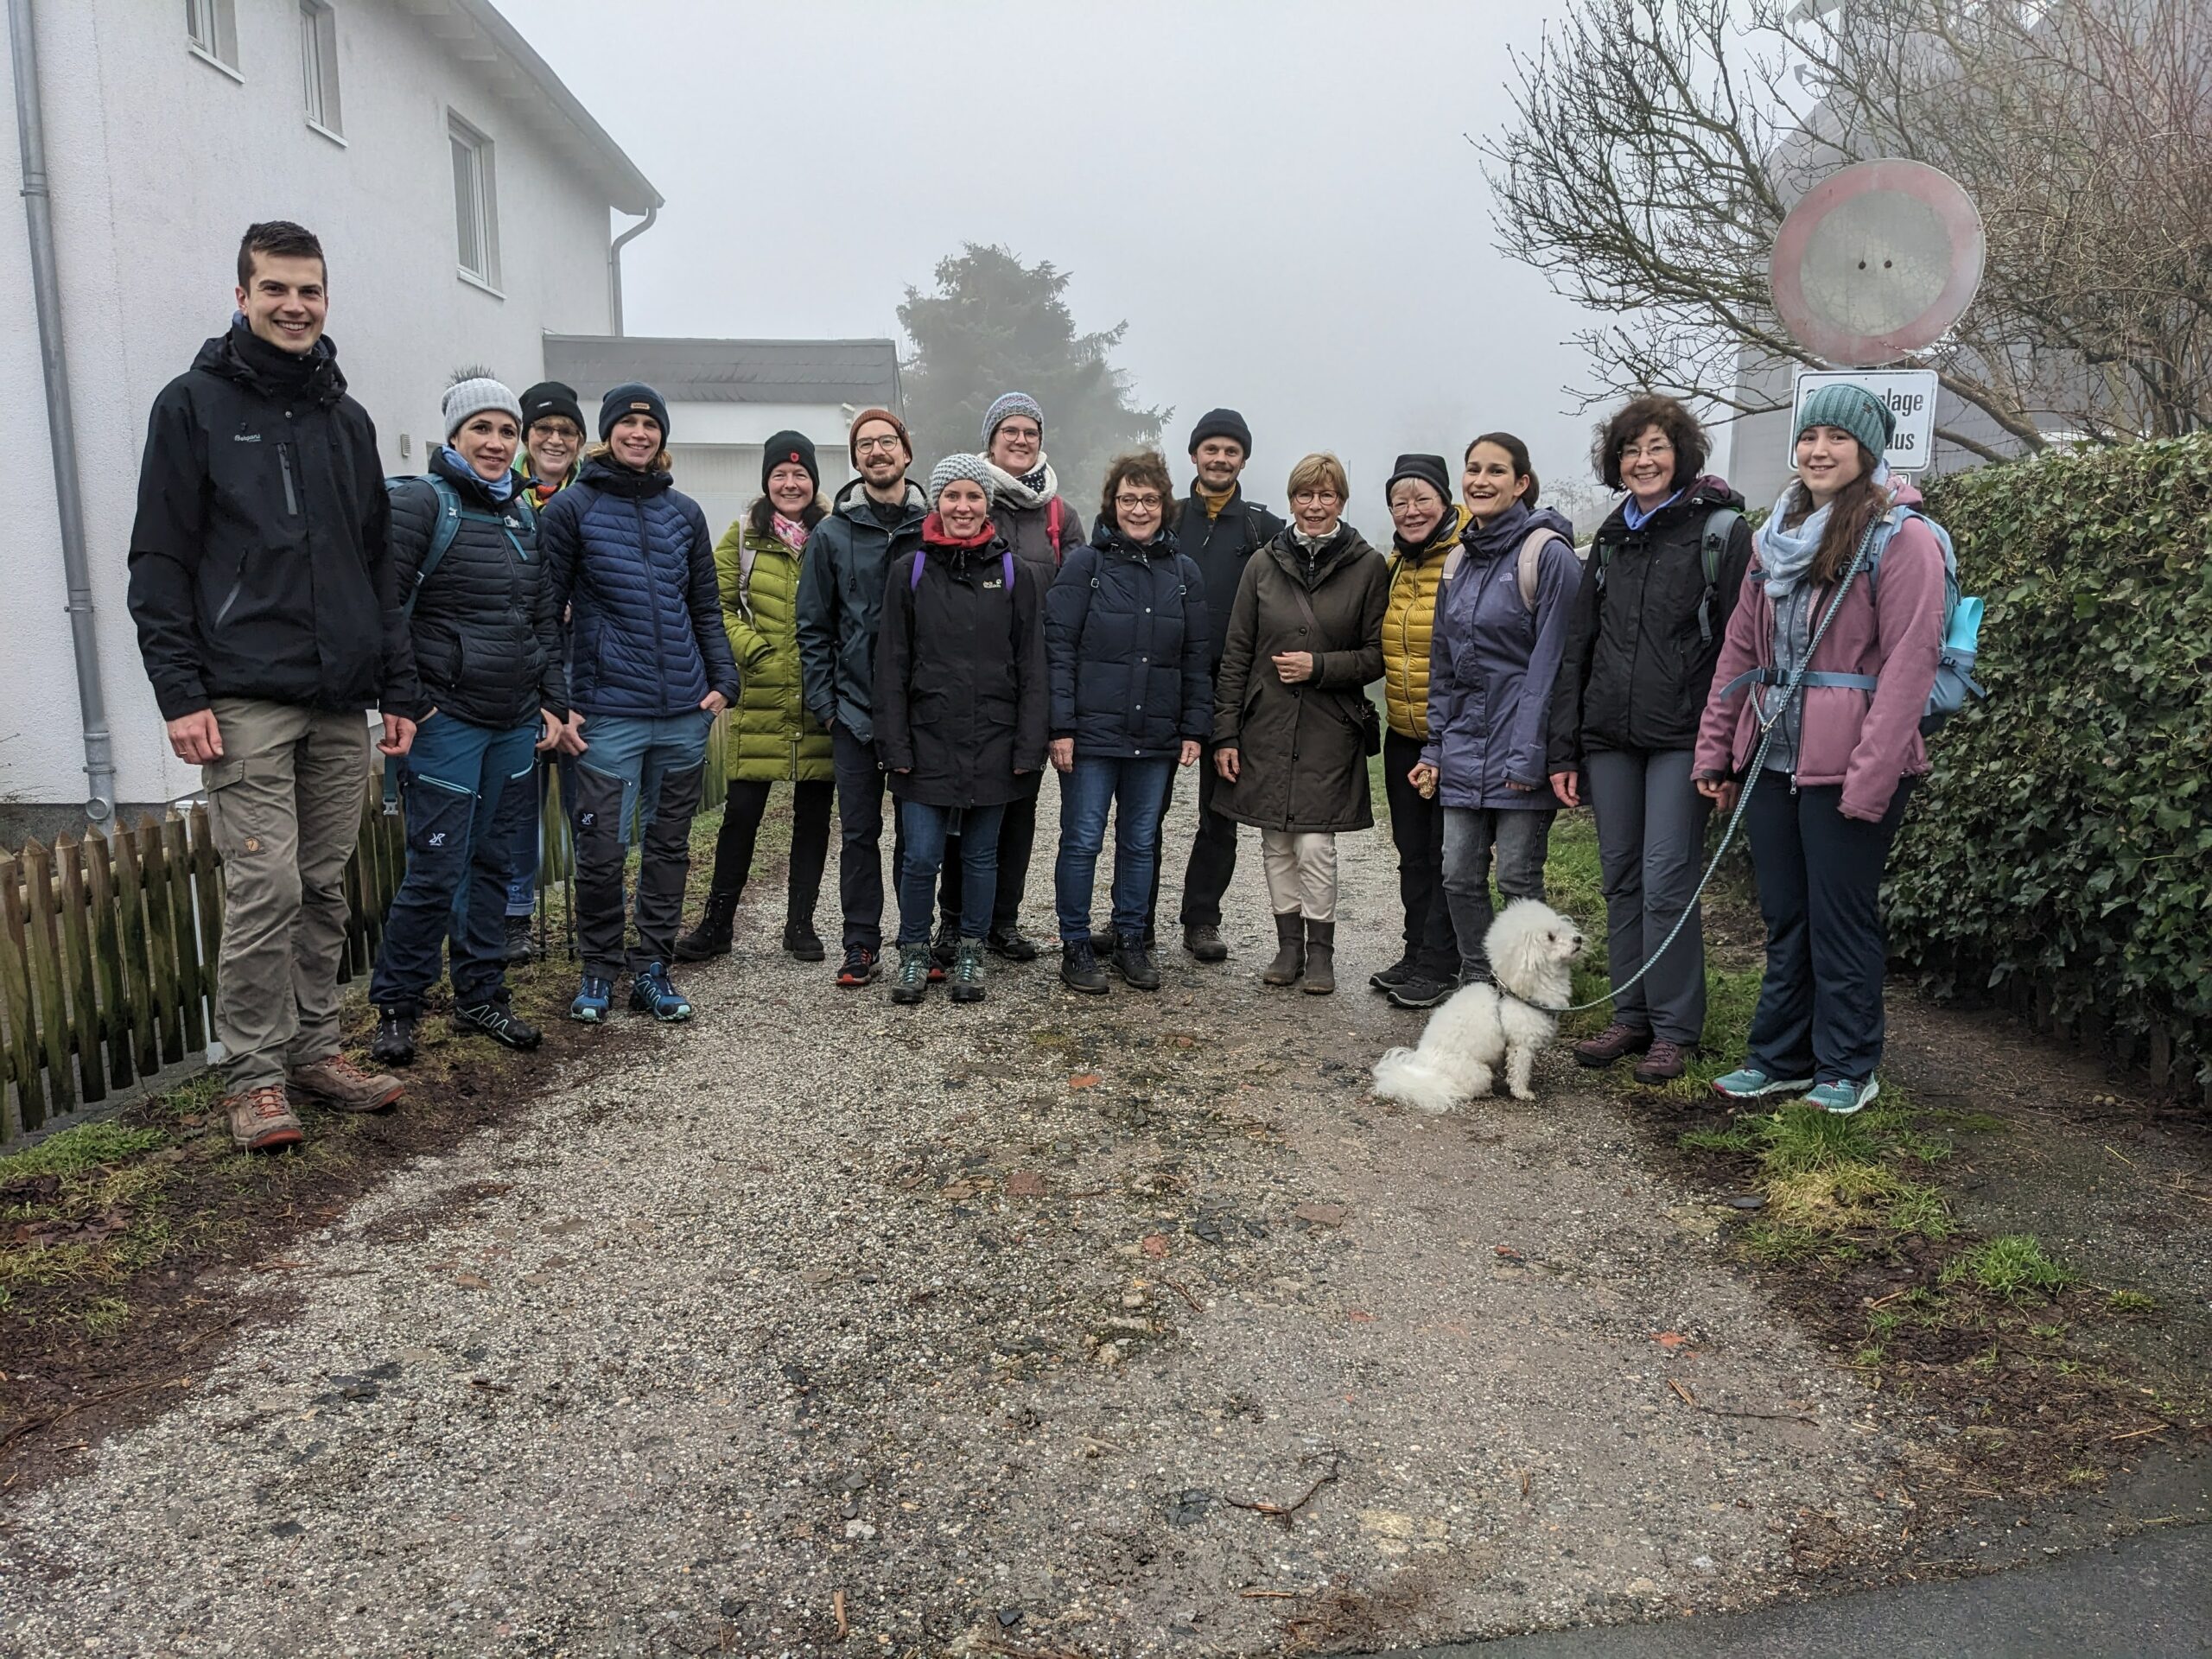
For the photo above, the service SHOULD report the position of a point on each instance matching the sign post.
(1911, 394)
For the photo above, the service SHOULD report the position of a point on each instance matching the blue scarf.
(1636, 518)
(501, 489)
(1787, 555)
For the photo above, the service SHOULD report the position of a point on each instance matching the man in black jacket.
(261, 583)
(1219, 530)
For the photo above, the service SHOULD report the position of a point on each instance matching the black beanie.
(1221, 423)
(631, 397)
(550, 397)
(1429, 470)
(789, 445)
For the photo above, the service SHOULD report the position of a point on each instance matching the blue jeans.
(462, 787)
(927, 830)
(1136, 790)
(632, 763)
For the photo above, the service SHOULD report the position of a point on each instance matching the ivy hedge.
(2061, 847)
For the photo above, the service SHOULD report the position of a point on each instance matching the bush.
(2063, 839)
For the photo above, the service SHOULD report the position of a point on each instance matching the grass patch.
(2131, 1304)
(2013, 1265)
(73, 1152)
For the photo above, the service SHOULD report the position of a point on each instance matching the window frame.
(321, 103)
(211, 34)
(464, 136)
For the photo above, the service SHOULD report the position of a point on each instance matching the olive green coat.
(773, 738)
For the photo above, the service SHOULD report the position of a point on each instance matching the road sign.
(1911, 394)
(1876, 261)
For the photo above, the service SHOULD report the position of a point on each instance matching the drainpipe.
(61, 422)
(614, 265)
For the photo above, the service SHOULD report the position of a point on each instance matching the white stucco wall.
(159, 161)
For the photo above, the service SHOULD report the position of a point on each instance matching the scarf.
(1208, 501)
(1447, 532)
(1636, 518)
(500, 490)
(934, 534)
(1786, 555)
(791, 533)
(1032, 489)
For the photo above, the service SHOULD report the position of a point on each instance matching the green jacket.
(776, 739)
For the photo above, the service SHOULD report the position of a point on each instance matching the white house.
(461, 194)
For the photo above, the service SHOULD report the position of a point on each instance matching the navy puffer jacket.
(1129, 647)
(630, 560)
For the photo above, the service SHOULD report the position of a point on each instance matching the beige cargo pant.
(284, 802)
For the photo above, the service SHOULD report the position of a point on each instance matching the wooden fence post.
(107, 954)
(15, 985)
(77, 962)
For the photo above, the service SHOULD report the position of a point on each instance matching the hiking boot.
(1133, 962)
(394, 1043)
(495, 1019)
(1405, 967)
(1842, 1098)
(800, 939)
(1079, 968)
(344, 1087)
(1616, 1042)
(650, 993)
(916, 967)
(1205, 943)
(942, 948)
(1011, 943)
(712, 937)
(967, 982)
(1661, 1062)
(262, 1121)
(861, 967)
(1290, 951)
(521, 941)
(1423, 990)
(1752, 1084)
(1320, 958)
(593, 1001)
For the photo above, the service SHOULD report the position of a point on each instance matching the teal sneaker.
(592, 1001)
(1752, 1084)
(650, 993)
(967, 984)
(1843, 1098)
(916, 967)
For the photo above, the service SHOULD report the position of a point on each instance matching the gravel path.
(990, 1330)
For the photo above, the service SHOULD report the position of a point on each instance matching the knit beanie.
(631, 397)
(952, 469)
(549, 398)
(789, 445)
(1221, 424)
(852, 433)
(473, 395)
(1855, 410)
(1010, 402)
(1429, 470)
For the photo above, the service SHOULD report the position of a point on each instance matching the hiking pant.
(463, 789)
(1819, 876)
(1521, 835)
(634, 766)
(1417, 831)
(747, 802)
(932, 834)
(1651, 849)
(1301, 871)
(285, 805)
(1132, 789)
(1213, 862)
(1017, 836)
(861, 785)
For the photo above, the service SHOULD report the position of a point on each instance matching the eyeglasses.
(1008, 430)
(889, 444)
(1657, 450)
(1130, 502)
(555, 430)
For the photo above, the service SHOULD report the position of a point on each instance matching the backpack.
(1713, 548)
(1006, 563)
(1056, 528)
(451, 511)
(1530, 564)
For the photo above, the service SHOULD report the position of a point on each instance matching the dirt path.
(985, 1330)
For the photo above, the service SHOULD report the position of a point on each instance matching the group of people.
(543, 595)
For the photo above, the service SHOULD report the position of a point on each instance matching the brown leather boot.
(261, 1120)
(344, 1087)
(1320, 958)
(1290, 951)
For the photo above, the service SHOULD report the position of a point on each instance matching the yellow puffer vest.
(1406, 625)
(775, 740)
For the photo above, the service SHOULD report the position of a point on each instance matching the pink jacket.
(1865, 741)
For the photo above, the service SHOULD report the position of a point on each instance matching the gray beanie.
(473, 395)
(1009, 404)
(1853, 409)
(953, 469)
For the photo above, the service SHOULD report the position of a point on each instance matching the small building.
(727, 397)
(462, 195)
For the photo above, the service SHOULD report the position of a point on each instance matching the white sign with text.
(1911, 394)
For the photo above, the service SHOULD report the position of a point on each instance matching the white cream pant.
(1301, 873)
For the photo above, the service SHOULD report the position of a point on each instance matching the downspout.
(614, 265)
(60, 421)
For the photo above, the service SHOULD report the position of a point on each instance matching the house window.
(319, 65)
(475, 204)
(212, 26)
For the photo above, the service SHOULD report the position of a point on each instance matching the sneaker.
(262, 1121)
(394, 1043)
(804, 944)
(1397, 973)
(1843, 1098)
(916, 967)
(967, 985)
(1662, 1062)
(1011, 943)
(942, 948)
(593, 1001)
(344, 1087)
(1752, 1084)
(1133, 962)
(495, 1019)
(861, 967)
(1205, 943)
(1616, 1042)
(1079, 968)
(1419, 990)
(650, 993)
(522, 940)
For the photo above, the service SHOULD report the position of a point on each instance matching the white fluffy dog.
(1532, 949)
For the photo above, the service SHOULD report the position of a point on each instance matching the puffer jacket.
(842, 582)
(1492, 662)
(1636, 669)
(487, 639)
(777, 740)
(1409, 622)
(1127, 639)
(632, 567)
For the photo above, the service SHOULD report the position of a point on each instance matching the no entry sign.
(1911, 394)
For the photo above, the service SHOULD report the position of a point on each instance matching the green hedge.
(2062, 848)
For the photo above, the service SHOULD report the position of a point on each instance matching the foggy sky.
(1275, 194)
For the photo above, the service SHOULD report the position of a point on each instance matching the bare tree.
(1660, 143)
